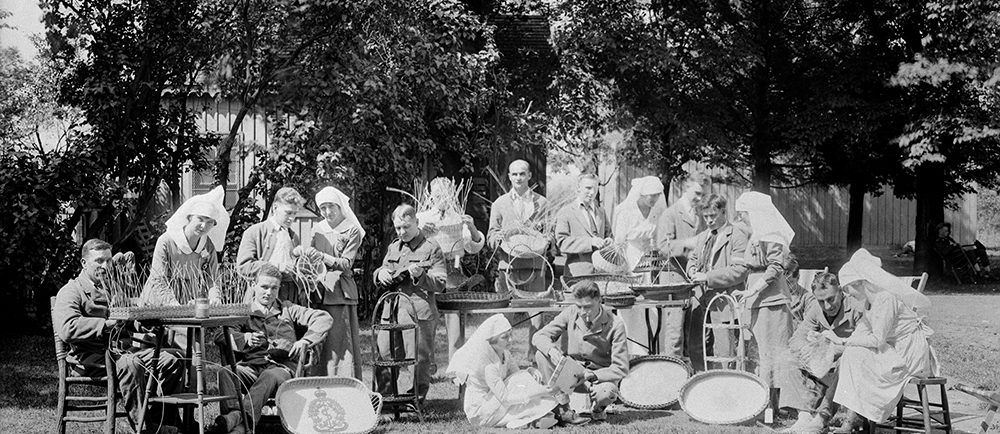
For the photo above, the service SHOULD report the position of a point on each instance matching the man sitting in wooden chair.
(80, 316)
(270, 346)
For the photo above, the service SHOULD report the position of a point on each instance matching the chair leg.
(926, 408)
(899, 413)
(61, 405)
(947, 411)
(110, 409)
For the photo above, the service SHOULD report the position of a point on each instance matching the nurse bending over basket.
(498, 394)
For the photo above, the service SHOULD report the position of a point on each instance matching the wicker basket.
(471, 300)
(130, 313)
(525, 243)
(619, 300)
(654, 382)
(670, 291)
(327, 404)
(724, 397)
(449, 237)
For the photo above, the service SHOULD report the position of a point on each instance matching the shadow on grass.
(27, 371)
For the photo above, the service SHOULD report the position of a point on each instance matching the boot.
(568, 417)
(851, 424)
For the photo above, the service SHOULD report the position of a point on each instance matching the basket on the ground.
(327, 404)
(724, 397)
(654, 382)
(469, 300)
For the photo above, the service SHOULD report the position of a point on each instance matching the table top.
(559, 306)
(214, 321)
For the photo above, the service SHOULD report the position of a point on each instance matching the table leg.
(200, 378)
(454, 328)
(189, 355)
(461, 338)
(155, 371)
(232, 367)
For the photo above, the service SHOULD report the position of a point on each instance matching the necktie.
(706, 255)
(589, 210)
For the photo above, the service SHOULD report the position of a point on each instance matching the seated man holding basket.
(595, 338)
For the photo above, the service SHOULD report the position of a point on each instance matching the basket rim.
(715, 372)
(638, 360)
(346, 382)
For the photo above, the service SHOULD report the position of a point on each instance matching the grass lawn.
(966, 341)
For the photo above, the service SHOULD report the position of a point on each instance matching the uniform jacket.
(78, 316)
(575, 233)
(257, 245)
(602, 347)
(278, 323)
(843, 325)
(421, 291)
(724, 268)
(676, 228)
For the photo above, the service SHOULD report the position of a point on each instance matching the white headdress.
(210, 205)
(765, 220)
(865, 266)
(336, 197)
(477, 352)
(644, 186)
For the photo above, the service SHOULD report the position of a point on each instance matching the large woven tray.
(654, 382)
(619, 300)
(469, 300)
(668, 291)
(129, 313)
(327, 405)
(724, 397)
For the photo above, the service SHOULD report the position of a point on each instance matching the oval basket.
(619, 300)
(668, 291)
(654, 382)
(724, 397)
(471, 300)
(327, 404)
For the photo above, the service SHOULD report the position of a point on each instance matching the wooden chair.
(75, 403)
(920, 281)
(926, 420)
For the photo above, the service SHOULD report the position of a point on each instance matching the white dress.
(639, 232)
(888, 348)
(502, 396)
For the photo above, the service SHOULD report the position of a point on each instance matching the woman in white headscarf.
(497, 393)
(185, 263)
(634, 223)
(337, 239)
(766, 297)
(889, 345)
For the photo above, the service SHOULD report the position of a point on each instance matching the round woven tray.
(724, 397)
(471, 300)
(654, 382)
(669, 291)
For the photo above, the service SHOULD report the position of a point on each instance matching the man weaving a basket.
(812, 387)
(582, 228)
(416, 265)
(595, 337)
(80, 317)
(270, 346)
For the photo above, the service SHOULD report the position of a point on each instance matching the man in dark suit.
(582, 228)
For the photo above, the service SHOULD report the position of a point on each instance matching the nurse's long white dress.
(888, 348)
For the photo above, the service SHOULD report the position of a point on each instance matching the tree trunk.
(930, 211)
(855, 216)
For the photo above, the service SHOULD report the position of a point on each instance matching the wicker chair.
(77, 403)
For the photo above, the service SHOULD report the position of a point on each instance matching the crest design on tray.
(326, 414)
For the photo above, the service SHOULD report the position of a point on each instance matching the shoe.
(569, 417)
(851, 424)
(162, 429)
(225, 423)
(545, 422)
(599, 416)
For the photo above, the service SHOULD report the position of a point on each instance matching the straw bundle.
(442, 203)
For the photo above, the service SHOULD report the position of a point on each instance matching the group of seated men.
(268, 341)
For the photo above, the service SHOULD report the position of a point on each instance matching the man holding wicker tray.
(80, 317)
